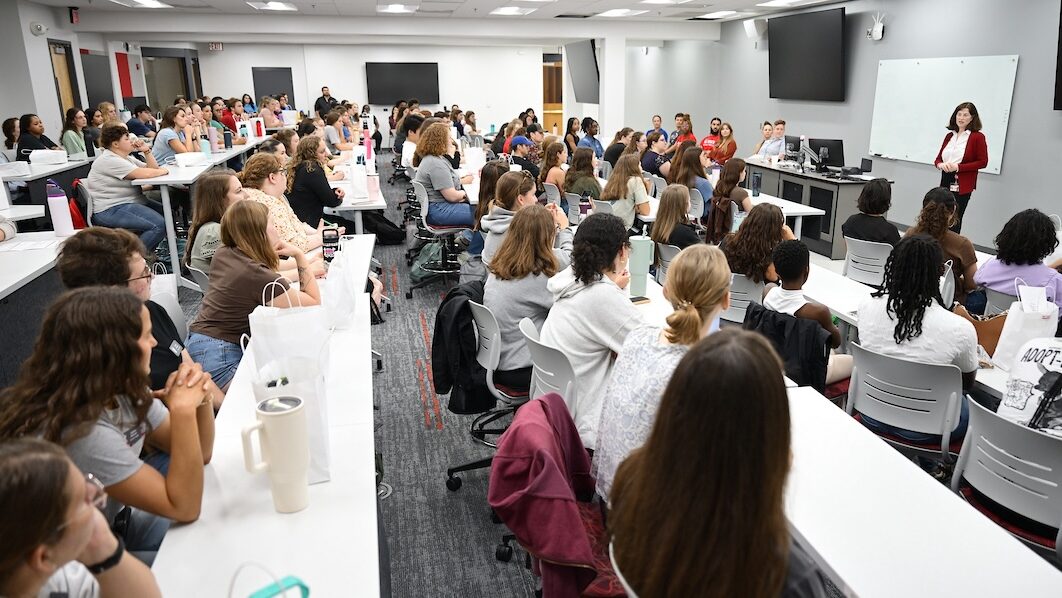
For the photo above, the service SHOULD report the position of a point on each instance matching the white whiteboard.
(915, 98)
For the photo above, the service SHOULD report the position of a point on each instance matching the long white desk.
(19, 266)
(881, 527)
(187, 175)
(357, 205)
(41, 171)
(332, 545)
(19, 213)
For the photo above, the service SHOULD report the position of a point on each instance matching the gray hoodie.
(496, 224)
(588, 323)
(511, 301)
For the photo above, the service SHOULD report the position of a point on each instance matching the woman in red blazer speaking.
(962, 154)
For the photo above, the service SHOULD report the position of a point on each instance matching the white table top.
(18, 213)
(883, 527)
(332, 544)
(839, 293)
(177, 175)
(40, 171)
(17, 268)
(790, 209)
(375, 200)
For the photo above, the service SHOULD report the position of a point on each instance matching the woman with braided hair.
(939, 214)
(698, 288)
(907, 319)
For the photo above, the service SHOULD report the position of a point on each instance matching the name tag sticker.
(176, 348)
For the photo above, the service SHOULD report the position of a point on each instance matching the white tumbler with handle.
(285, 447)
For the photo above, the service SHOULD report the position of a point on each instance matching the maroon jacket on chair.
(975, 158)
(538, 470)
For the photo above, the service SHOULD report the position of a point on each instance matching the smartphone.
(330, 243)
(639, 300)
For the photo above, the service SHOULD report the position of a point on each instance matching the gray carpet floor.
(441, 542)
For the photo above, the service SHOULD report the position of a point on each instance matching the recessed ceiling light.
(621, 12)
(273, 5)
(719, 14)
(142, 3)
(396, 8)
(778, 3)
(512, 11)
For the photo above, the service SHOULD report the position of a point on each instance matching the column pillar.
(613, 86)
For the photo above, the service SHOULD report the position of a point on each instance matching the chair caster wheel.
(453, 484)
(504, 553)
(388, 307)
(409, 294)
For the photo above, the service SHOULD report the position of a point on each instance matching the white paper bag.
(300, 377)
(338, 292)
(48, 157)
(1026, 320)
(163, 282)
(359, 183)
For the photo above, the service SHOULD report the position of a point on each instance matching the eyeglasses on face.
(95, 497)
(147, 273)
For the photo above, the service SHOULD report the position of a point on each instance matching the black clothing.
(870, 228)
(166, 355)
(801, 343)
(683, 236)
(27, 143)
(613, 153)
(453, 352)
(527, 165)
(324, 105)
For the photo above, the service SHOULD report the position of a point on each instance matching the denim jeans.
(444, 213)
(220, 358)
(144, 535)
(144, 219)
(920, 437)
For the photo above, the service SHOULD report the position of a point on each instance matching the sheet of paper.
(16, 245)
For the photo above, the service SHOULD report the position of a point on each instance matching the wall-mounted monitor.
(582, 67)
(389, 82)
(807, 56)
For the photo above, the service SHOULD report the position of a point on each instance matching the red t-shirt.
(686, 137)
(708, 143)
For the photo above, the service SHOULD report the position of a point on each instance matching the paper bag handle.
(277, 283)
(245, 341)
(1016, 285)
(248, 450)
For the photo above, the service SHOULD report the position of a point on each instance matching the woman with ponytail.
(698, 287)
(939, 214)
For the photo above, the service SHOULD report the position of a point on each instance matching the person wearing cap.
(521, 148)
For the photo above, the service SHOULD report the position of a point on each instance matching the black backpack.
(387, 232)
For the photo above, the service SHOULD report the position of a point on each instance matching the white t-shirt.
(946, 337)
(72, 581)
(408, 149)
(107, 182)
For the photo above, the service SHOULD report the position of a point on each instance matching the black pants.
(377, 138)
(514, 379)
(962, 201)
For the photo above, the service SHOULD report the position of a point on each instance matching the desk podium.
(835, 196)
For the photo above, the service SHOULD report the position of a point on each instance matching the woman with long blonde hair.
(242, 273)
(672, 225)
(627, 190)
(698, 288)
(516, 288)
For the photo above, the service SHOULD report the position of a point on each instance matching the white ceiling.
(459, 8)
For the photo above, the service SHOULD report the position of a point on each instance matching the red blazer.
(975, 158)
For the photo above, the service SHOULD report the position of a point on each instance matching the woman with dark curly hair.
(939, 214)
(592, 314)
(749, 249)
(1026, 239)
(908, 319)
(105, 414)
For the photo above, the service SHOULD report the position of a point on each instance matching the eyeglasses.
(147, 273)
(281, 171)
(95, 496)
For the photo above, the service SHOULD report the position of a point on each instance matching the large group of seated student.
(641, 406)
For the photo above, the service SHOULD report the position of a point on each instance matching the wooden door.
(552, 98)
(64, 85)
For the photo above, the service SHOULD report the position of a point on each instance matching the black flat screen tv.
(1058, 69)
(807, 56)
(389, 82)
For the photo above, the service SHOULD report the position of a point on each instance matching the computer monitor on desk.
(834, 151)
(792, 145)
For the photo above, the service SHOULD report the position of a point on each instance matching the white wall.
(38, 58)
(681, 76)
(16, 95)
(498, 83)
(918, 29)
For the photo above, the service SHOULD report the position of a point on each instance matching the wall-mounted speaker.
(755, 28)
